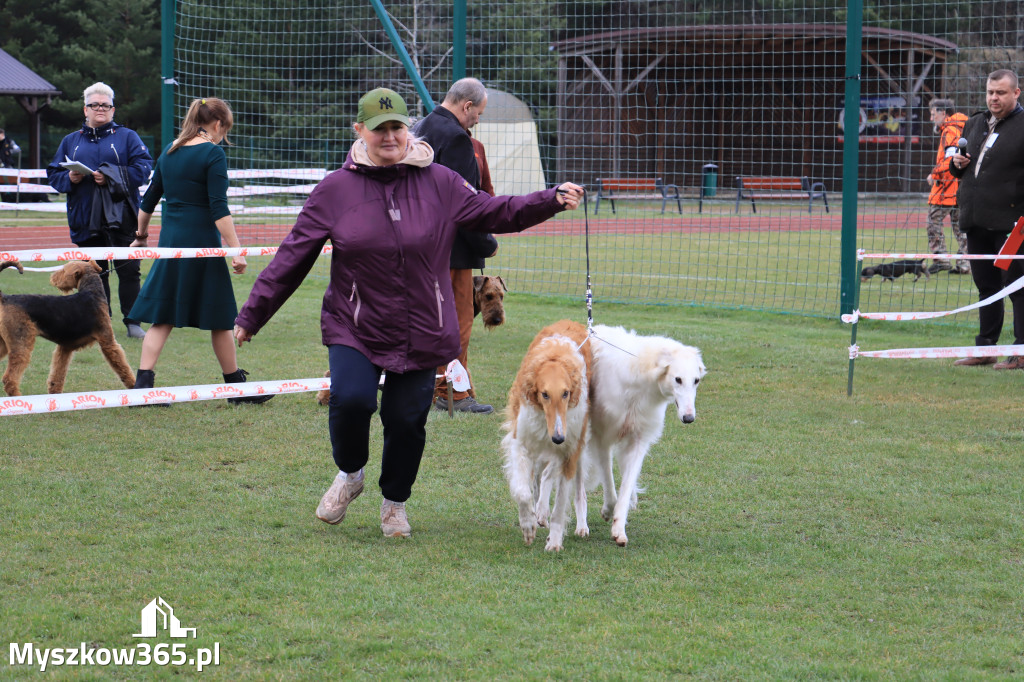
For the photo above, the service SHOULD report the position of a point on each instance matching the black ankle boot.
(144, 378)
(238, 377)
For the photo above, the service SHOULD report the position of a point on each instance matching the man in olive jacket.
(991, 200)
(446, 130)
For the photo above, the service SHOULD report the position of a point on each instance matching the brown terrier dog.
(72, 322)
(488, 301)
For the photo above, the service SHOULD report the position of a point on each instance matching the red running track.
(13, 238)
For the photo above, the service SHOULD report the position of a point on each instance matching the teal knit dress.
(189, 292)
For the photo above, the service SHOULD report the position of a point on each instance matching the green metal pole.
(851, 149)
(459, 41)
(403, 55)
(167, 8)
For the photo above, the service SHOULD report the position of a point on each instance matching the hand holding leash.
(569, 195)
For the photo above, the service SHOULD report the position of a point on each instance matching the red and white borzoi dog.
(634, 379)
(546, 421)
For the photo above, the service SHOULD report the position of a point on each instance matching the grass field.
(791, 532)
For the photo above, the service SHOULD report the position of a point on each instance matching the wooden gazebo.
(32, 91)
(752, 99)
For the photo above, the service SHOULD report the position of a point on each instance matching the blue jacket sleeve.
(140, 161)
(57, 175)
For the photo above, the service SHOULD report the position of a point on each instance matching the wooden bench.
(754, 188)
(648, 189)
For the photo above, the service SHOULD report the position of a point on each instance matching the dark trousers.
(128, 274)
(989, 279)
(404, 405)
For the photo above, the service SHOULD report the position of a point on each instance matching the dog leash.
(590, 292)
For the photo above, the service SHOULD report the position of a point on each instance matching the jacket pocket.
(440, 305)
(354, 296)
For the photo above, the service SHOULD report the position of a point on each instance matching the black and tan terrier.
(488, 300)
(72, 322)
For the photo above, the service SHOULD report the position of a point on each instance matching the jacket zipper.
(396, 216)
(354, 296)
(440, 302)
(118, 156)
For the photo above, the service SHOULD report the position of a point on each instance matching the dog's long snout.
(558, 435)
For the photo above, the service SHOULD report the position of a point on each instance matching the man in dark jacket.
(446, 130)
(102, 142)
(991, 199)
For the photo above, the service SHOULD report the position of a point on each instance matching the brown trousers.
(462, 286)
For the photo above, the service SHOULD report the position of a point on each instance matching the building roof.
(714, 36)
(18, 79)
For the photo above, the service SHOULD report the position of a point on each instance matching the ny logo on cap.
(385, 103)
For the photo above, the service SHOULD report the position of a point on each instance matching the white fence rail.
(289, 181)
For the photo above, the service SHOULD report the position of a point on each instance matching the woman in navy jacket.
(391, 216)
(101, 141)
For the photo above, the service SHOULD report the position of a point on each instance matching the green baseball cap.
(381, 105)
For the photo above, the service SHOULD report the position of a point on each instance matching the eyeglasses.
(102, 107)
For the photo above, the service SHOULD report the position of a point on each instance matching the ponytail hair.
(203, 112)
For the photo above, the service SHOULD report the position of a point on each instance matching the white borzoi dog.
(634, 379)
(546, 421)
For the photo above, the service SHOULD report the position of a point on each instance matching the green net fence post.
(851, 147)
(167, 12)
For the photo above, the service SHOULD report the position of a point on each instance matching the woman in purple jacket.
(391, 216)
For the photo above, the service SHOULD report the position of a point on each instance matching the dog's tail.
(13, 264)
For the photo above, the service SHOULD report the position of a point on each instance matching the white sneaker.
(393, 520)
(335, 501)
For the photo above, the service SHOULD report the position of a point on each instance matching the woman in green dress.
(192, 174)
